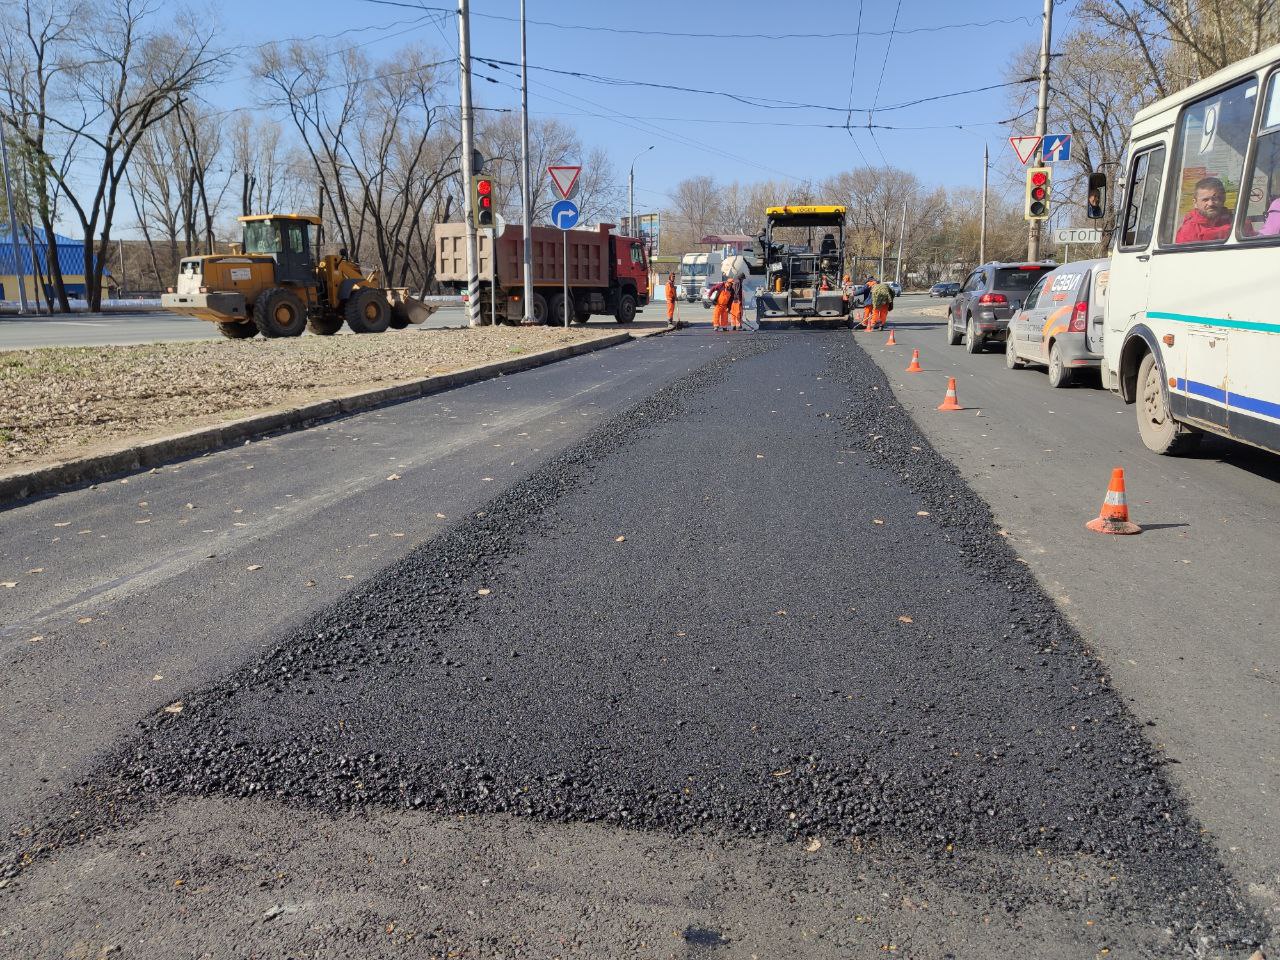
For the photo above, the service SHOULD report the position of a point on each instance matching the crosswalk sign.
(1055, 147)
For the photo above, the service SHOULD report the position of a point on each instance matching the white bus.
(1193, 310)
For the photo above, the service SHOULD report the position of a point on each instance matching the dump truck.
(608, 274)
(274, 285)
(802, 252)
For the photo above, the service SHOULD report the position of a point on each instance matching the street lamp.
(631, 192)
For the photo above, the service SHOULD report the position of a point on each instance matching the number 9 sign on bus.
(1193, 336)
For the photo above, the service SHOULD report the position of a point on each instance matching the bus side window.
(1213, 137)
(1262, 218)
(1140, 202)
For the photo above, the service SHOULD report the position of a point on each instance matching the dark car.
(989, 296)
(947, 288)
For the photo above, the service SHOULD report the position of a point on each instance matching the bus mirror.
(1097, 203)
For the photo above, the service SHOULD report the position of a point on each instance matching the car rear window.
(1014, 278)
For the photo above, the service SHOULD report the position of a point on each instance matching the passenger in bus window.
(1210, 218)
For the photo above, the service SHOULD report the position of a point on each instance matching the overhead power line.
(671, 35)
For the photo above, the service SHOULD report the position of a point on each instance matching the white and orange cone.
(1114, 517)
(891, 342)
(914, 366)
(950, 401)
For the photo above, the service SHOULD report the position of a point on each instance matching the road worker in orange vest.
(868, 312)
(735, 304)
(671, 298)
(720, 319)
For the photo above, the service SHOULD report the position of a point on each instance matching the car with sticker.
(1060, 323)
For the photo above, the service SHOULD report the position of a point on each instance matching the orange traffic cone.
(891, 342)
(914, 366)
(951, 401)
(1115, 511)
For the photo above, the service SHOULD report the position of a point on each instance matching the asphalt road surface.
(119, 329)
(697, 647)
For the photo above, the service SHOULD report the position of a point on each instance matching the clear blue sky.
(691, 51)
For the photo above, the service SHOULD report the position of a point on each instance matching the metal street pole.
(884, 233)
(631, 193)
(565, 233)
(902, 232)
(468, 156)
(19, 274)
(526, 201)
(1042, 116)
(982, 234)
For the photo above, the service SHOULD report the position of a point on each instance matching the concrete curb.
(26, 484)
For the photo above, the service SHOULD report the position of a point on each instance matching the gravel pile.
(61, 401)
(814, 631)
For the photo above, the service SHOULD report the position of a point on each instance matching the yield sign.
(1024, 147)
(565, 179)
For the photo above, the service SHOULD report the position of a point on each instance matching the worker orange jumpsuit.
(720, 318)
(868, 312)
(735, 306)
(671, 299)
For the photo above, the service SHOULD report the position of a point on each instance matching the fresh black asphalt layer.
(757, 603)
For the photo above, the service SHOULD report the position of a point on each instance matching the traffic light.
(1039, 188)
(482, 200)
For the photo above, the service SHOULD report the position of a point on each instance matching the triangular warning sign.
(1024, 147)
(565, 179)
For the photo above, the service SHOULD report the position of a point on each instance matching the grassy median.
(58, 403)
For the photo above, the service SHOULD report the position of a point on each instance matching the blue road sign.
(1055, 147)
(564, 214)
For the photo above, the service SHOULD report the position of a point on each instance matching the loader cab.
(289, 239)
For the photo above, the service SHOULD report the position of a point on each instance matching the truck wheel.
(538, 308)
(1059, 375)
(325, 326)
(626, 309)
(367, 311)
(582, 316)
(237, 331)
(953, 338)
(556, 308)
(279, 313)
(1159, 431)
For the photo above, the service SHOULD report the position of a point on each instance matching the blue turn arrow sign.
(564, 214)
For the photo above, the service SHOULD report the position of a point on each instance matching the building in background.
(35, 272)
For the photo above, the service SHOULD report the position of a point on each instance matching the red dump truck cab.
(607, 275)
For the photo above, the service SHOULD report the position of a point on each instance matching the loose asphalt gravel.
(815, 633)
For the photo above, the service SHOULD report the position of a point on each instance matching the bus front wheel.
(1159, 431)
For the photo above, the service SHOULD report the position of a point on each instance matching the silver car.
(1060, 323)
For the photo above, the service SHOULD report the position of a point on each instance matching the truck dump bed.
(588, 255)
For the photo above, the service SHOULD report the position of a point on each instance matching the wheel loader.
(275, 286)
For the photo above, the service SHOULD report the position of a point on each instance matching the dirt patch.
(66, 402)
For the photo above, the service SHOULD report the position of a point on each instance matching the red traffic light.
(1039, 178)
(484, 187)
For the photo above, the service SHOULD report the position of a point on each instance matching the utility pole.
(631, 193)
(1042, 117)
(902, 232)
(468, 160)
(526, 200)
(884, 232)
(19, 274)
(982, 233)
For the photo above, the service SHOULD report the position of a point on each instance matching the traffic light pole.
(468, 156)
(1042, 117)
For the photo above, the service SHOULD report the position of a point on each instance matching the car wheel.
(1159, 431)
(973, 342)
(1059, 375)
(1011, 358)
(953, 338)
